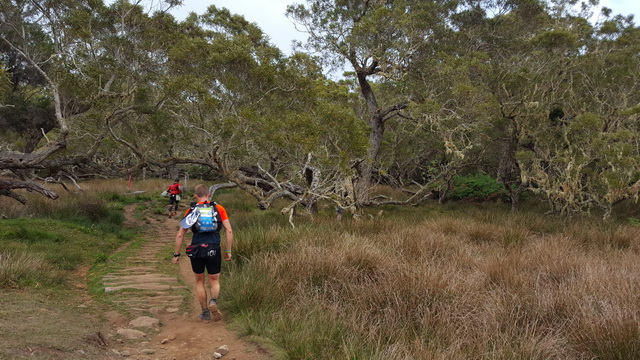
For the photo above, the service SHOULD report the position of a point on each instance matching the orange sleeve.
(222, 212)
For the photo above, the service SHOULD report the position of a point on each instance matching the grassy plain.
(452, 281)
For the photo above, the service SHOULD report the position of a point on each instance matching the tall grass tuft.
(607, 235)
(19, 269)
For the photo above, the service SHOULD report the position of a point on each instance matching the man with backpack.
(175, 191)
(205, 219)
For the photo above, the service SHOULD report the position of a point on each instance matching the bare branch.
(216, 187)
(7, 185)
(17, 160)
(393, 109)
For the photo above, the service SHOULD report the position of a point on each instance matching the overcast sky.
(624, 7)
(270, 15)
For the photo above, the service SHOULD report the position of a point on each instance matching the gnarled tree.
(377, 40)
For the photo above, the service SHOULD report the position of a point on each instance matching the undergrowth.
(435, 282)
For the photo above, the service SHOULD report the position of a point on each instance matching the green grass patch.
(633, 221)
(51, 244)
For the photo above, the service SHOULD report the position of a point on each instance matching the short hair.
(201, 190)
(176, 179)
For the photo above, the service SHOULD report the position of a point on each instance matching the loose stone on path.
(145, 321)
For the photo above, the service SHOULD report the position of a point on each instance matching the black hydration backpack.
(202, 218)
(208, 217)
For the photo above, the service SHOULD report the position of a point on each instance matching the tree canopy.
(530, 92)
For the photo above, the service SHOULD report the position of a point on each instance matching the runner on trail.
(205, 218)
(174, 190)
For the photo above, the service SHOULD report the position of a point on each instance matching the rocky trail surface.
(149, 320)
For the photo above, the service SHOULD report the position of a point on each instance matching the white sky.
(270, 15)
(624, 7)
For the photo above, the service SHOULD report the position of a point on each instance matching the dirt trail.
(143, 291)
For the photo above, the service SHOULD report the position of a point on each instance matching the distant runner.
(175, 191)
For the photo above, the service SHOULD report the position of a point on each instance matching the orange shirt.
(221, 210)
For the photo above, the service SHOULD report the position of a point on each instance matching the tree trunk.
(376, 134)
(508, 169)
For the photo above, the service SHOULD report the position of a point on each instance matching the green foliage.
(214, 87)
(584, 128)
(556, 39)
(476, 187)
(633, 221)
(609, 27)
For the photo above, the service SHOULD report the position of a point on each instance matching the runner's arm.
(228, 238)
(178, 248)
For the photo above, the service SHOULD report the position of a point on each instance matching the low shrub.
(478, 187)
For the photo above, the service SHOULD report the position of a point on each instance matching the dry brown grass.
(23, 268)
(459, 287)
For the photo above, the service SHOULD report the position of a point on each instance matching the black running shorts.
(211, 263)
